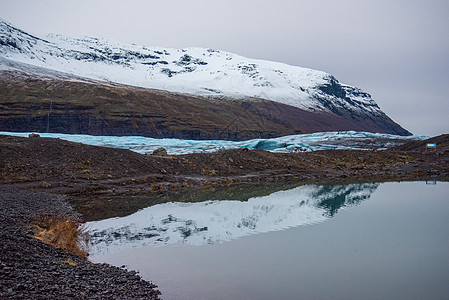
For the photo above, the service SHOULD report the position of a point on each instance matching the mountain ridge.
(199, 72)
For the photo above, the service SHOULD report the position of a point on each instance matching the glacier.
(343, 140)
(219, 221)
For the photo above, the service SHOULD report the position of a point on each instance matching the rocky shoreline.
(30, 269)
(42, 176)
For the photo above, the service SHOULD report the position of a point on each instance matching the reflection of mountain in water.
(332, 198)
(218, 221)
(105, 207)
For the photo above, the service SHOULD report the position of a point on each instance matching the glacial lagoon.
(356, 241)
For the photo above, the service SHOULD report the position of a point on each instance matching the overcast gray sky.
(396, 50)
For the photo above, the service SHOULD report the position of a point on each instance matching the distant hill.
(441, 141)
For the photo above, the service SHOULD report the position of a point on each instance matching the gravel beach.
(31, 269)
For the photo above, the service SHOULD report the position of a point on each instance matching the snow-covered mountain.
(224, 220)
(198, 71)
(195, 71)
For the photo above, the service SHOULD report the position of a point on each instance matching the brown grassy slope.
(99, 108)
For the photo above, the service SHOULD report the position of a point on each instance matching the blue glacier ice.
(291, 143)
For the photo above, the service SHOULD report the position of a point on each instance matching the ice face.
(291, 143)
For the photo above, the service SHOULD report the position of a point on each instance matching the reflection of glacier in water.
(218, 221)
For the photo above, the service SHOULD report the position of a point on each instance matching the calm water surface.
(369, 241)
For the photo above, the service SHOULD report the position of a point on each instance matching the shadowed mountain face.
(190, 93)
